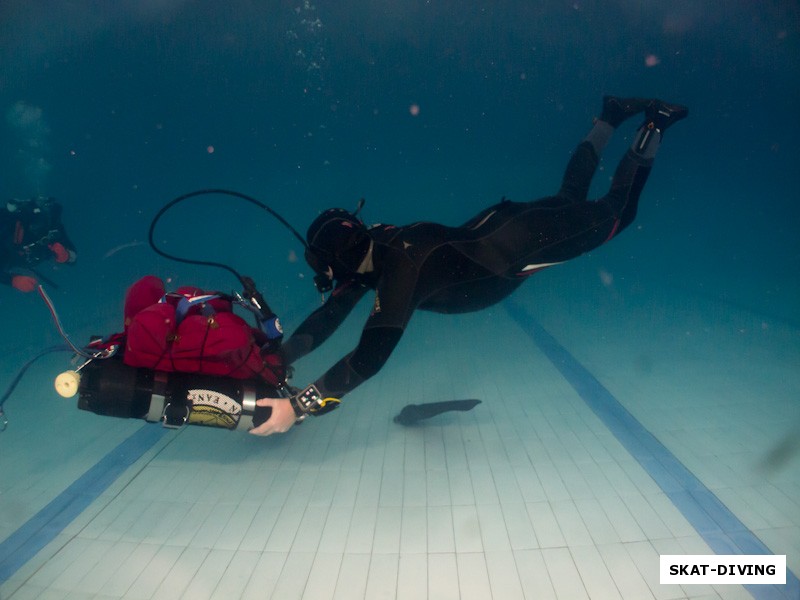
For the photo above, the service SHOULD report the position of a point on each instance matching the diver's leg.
(634, 168)
(581, 166)
(583, 163)
(555, 233)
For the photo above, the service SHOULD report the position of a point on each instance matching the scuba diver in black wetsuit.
(31, 232)
(443, 269)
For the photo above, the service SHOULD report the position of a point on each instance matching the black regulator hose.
(267, 319)
(13, 385)
(206, 192)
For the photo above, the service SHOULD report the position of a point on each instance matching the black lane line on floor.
(717, 525)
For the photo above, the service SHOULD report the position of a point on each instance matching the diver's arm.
(394, 304)
(372, 352)
(391, 312)
(321, 323)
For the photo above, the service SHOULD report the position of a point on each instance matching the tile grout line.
(43, 527)
(716, 524)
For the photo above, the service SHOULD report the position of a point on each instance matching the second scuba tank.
(110, 387)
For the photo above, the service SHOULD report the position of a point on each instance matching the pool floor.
(615, 426)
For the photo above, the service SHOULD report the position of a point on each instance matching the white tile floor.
(527, 496)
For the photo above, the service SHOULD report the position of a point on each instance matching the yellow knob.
(67, 383)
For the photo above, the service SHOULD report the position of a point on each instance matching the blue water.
(114, 108)
(430, 110)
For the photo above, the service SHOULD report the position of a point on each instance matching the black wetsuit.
(443, 269)
(26, 234)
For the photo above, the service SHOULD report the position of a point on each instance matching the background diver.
(433, 267)
(31, 232)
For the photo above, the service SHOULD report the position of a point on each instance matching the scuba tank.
(112, 388)
(105, 385)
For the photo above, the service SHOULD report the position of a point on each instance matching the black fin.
(412, 413)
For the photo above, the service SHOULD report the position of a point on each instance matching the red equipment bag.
(193, 331)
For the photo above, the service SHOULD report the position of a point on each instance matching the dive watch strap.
(310, 402)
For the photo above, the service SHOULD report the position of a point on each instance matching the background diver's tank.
(110, 387)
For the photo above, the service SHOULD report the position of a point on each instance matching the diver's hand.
(280, 421)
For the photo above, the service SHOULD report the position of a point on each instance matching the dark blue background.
(308, 105)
